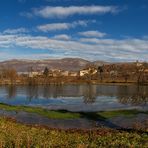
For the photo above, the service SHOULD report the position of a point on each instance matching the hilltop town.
(72, 71)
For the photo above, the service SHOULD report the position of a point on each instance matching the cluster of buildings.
(60, 73)
(108, 69)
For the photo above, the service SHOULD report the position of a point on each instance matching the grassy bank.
(127, 113)
(41, 111)
(17, 135)
(62, 114)
(14, 134)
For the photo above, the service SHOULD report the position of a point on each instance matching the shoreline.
(79, 83)
(72, 130)
(64, 119)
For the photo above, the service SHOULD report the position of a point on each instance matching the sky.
(108, 30)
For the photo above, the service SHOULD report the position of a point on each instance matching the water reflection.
(115, 95)
(138, 97)
(89, 94)
(11, 92)
(32, 92)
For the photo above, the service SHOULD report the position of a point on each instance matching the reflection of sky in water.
(76, 97)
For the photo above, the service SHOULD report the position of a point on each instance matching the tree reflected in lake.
(89, 95)
(89, 92)
(32, 92)
(11, 92)
(50, 91)
(135, 96)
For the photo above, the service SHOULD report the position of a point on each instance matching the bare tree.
(10, 74)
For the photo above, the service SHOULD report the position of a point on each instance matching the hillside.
(73, 64)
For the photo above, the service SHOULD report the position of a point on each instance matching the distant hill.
(73, 64)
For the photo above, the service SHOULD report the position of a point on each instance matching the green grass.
(17, 135)
(41, 111)
(61, 114)
(127, 113)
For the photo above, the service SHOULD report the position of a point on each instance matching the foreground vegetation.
(17, 135)
(14, 134)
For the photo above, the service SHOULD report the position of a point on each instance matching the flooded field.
(87, 100)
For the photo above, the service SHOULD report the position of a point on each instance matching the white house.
(88, 71)
(84, 72)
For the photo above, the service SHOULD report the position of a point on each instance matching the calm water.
(77, 97)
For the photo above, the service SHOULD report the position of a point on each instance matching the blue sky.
(109, 30)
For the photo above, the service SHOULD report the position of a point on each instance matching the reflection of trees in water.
(32, 92)
(134, 95)
(139, 96)
(46, 92)
(57, 90)
(52, 91)
(89, 94)
(11, 91)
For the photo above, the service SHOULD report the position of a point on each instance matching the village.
(107, 73)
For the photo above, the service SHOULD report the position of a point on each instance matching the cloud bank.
(61, 26)
(62, 12)
(88, 48)
(92, 34)
(15, 31)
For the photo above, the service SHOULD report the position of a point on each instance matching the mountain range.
(73, 64)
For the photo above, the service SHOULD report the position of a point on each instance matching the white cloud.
(94, 49)
(92, 34)
(61, 26)
(15, 31)
(62, 37)
(97, 41)
(60, 12)
(53, 26)
(32, 56)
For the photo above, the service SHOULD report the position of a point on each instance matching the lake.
(86, 98)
